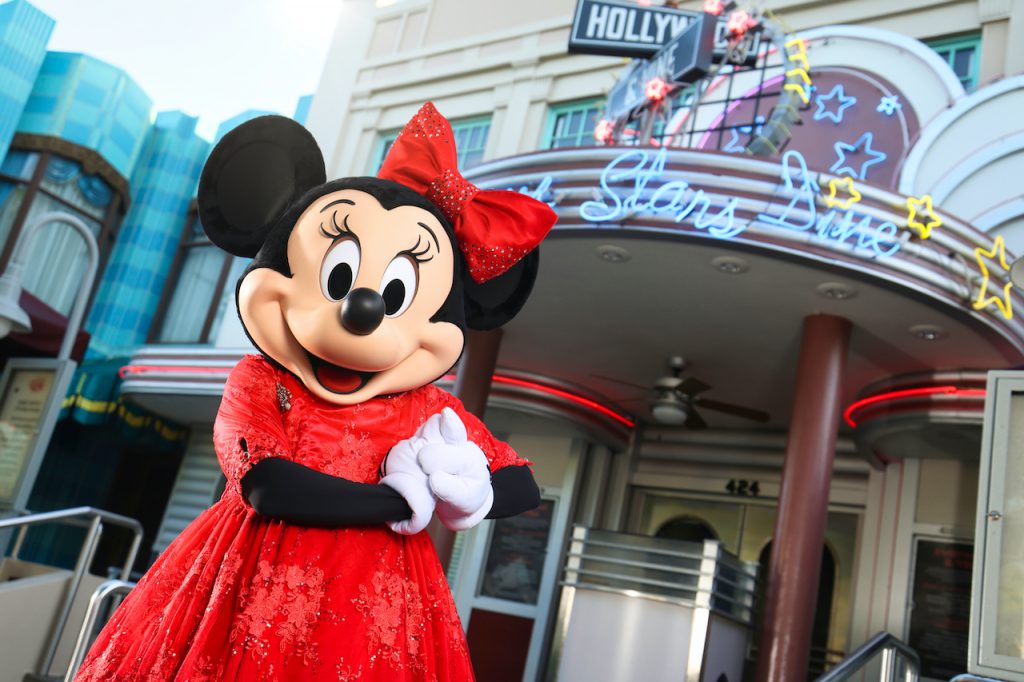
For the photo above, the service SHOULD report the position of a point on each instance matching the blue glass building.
(24, 32)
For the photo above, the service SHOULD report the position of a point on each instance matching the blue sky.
(209, 58)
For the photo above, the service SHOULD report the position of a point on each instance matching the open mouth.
(337, 379)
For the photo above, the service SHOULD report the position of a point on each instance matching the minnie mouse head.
(366, 286)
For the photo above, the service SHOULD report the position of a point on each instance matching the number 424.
(741, 487)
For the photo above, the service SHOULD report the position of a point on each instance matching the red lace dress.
(241, 597)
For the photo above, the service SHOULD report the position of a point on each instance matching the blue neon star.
(845, 102)
(843, 166)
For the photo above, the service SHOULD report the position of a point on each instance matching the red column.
(795, 564)
(472, 386)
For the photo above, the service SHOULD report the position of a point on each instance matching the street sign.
(683, 60)
(618, 30)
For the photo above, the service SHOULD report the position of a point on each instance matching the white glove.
(400, 470)
(458, 473)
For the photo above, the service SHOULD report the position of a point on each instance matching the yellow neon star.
(913, 206)
(1004, 304)
(832, 199)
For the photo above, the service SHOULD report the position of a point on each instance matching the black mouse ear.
(251, 177)
(496, 301)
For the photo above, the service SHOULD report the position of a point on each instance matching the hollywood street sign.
(619, 30)
(684, 59)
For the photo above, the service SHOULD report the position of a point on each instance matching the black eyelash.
(338, 231)
(418, 255)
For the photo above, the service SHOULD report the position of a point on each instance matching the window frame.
(953, 43)
(110, 224)
(555, 110)
(387, 137)
(174, 276)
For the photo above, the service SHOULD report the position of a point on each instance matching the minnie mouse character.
(336, 445)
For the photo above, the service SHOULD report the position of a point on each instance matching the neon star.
(845, 102)
(843, 148)
(1004, 303)
(889, 105)
(832, 199)
(914, 208)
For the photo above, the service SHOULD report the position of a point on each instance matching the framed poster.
(941, 594)
(515, 555)
(31, 392)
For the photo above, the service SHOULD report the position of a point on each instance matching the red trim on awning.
(47, 333)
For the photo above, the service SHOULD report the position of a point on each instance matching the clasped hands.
(439, 469)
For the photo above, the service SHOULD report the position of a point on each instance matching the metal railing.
(106, 590)
(891, 649)
(92, 519)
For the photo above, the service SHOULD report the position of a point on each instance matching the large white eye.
(340, 268)
(398, 286)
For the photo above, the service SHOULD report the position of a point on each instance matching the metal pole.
(888, 664)
(795, 565)
(107, 589)
(472, 386)
(81, 566)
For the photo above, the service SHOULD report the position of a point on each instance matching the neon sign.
(842, 165)
(834, 226)
(674, 198)
(922, 206)
(677, 199)
(998, 255)
(845, 102)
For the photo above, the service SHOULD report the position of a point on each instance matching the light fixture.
(928, 332)
(669, 411)
(731, 265)
(837, 291)
(613, 254)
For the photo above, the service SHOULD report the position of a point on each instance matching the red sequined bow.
(495, 228)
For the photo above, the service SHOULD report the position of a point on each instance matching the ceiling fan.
(676, 399)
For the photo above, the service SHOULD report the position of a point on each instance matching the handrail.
(967, 677)
(105, 590)
(95, 518)
(885, 643)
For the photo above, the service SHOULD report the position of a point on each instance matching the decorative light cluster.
(604, 131)
(715, 7)
(656, 89)
(739, 22)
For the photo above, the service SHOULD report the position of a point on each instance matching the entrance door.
(506, 589)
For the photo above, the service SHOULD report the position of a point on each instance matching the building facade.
(892, 204)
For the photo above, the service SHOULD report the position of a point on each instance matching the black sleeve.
(280, 489)
(515, 491)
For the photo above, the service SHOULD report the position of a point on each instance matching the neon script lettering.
(674, 198)
(678, 199)
(801, 214)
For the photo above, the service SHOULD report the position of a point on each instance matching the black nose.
(362, 311)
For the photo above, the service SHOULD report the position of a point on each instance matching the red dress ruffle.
(241, 597)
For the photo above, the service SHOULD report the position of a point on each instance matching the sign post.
(683, 59)
(31, 392)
